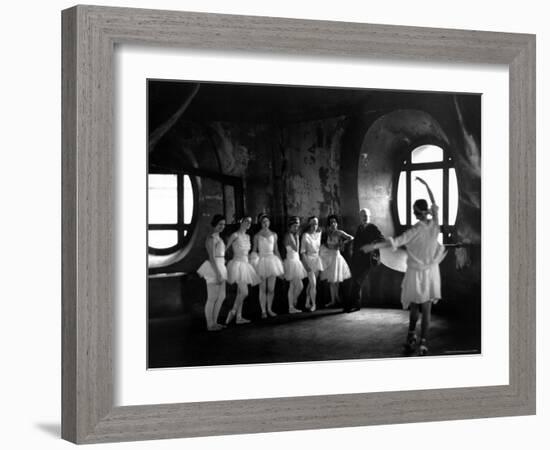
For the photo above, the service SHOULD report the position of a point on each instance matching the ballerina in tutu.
(266, 260)
(336, 269)
(239, 270)
(295, 271)
(214, 272)
(421, 285)
(311, 244)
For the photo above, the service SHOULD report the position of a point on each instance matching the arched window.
(171, 211)
(434, 165)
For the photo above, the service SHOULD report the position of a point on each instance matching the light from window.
(453, 197)
(402, 198)
(187, 200)
(162, 239)
(426, 154)
(428, 163)
(163, 199)
(170, 210)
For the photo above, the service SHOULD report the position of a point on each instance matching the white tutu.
(422, 281)
(420, 286)
(314, 262)
(336, 267)
(268, 266)
(239, 270)
(266, 263)
(209, 274)
(294, 269)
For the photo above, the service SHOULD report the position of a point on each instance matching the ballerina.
(295, 271)
(214, 272)
(311, 244)
(336, 268)
(239, 270)
(421, 286)
(268, 265)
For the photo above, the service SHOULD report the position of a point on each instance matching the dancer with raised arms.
(421, 286)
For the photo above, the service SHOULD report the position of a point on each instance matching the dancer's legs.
(311, 289)
(413, 317)
(242, 293)
(298, 286)
(263, 297)
(236, 311)
(426, 317)
(294, 288)
(270, 294)
(212, 295)
(219, 302)
(333, 287)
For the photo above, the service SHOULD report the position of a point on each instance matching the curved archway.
(385, 145)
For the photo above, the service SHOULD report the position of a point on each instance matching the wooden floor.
(327, 334)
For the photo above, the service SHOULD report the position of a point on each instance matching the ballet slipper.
(264, 315)
(241, 321)
(216, 327)
(271, 313)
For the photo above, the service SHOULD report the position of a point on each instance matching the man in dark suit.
(361, 262)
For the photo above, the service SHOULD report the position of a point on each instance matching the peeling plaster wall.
(312, 181)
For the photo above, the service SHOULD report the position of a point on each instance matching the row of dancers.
(307, 258)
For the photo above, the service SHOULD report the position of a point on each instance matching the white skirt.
(421, 286)
(336, 267)
(209, 274)
(294, 269)
(241, 271)
(314, 262)
(268, 266)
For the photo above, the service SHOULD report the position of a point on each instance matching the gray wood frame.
(89, 36)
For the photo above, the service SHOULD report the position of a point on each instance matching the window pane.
(163, 199)
(434, 178)
(427, 153)
(402, 198)
(453, 197)
(163, 238)
(187, 200)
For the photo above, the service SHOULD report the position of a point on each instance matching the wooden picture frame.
(90, 34)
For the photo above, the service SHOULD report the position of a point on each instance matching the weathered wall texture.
(312, 175)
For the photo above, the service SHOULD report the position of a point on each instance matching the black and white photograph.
(311, 223)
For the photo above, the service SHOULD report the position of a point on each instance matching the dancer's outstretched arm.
(434, 207)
